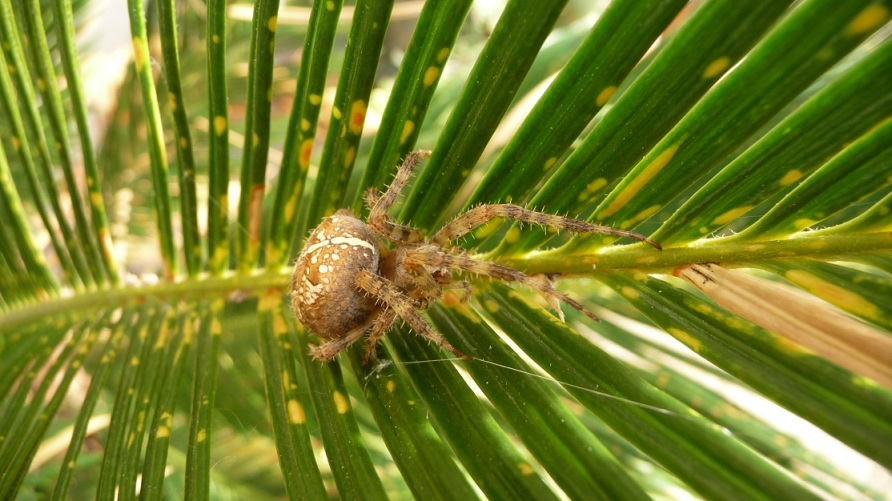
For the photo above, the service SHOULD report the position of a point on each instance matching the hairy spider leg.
(431, 255)
(329, 349)
(480, 215)
(378, 219)
(382, 323)
(390, 293)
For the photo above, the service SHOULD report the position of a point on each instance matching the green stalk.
(18, 242)
(66, 40)
(61, 236)
(489, 90)
(350, 104)
(301, 133)
(256, 146)
(204, 385)
(52, 99)
(218, 106)
(183, 139)
(428, 51)
(155, 140)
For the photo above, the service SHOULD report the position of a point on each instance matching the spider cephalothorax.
(348, 281)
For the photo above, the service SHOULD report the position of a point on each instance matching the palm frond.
(146, 333)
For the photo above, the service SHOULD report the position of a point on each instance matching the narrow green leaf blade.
(806, 43)
(350, 106)
(853, 409)
(484, 449)
(490, 88)
(619, 39)
(858, 101)
(432, 41)
(301, 133)
(574, 458)
(424, 460)
(688, 445)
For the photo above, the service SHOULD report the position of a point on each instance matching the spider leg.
(382, 323)
(473, 218)
(432, 256)
(379, 204)
(330, 349)
(385, 290)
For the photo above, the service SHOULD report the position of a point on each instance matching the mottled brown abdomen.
(324, 294)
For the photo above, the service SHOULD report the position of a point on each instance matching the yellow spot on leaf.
(640, 180)
(803, 223)
(408, 127)
(549, 163)
(340, 402)
(172, 99)
(138, 59)
(291, 206)
(490, 305)
(279, 325)
(525, 469)
(443, 54)
(304, 124)
(357, 116)
(255, 139)
(688, 340)
(336, 112)
(216, 38)
(629, 292)
(839, 296)
(487, 229)
(219, 125)
(867, 20)
(184, 143)
(163, 432)
(390, 386)
(296, 412)
(216, 327)
(96, 199)
(430, 75)
(790, 177)
(306, 149)
(268, 301)
(716, 67)
(605, 95)
(273, 21)
(202, 435)
(330, 5)
(450, 299)
(732, 214)
(315, 99)
(513, 235)
(641, 216)
(349, 156)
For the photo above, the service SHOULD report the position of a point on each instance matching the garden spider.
(348, 281)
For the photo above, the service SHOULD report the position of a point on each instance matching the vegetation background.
(159, 171)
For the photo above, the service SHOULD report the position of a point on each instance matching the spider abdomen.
(324, 293)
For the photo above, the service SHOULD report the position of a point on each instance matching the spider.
(354, 277)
